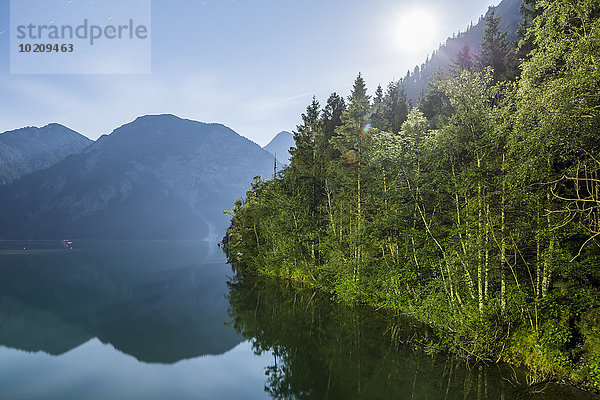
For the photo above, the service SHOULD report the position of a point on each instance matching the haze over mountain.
(30, 149)
(158, 177)
(280, 145)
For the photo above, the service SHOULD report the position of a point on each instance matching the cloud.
(278, 104)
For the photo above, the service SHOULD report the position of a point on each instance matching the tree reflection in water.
(325, 350)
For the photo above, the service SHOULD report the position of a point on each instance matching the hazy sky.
(252, 65)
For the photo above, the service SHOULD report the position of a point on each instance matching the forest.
(475, 210)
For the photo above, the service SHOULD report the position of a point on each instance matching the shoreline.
(502, 359)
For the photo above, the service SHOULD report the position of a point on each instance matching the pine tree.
(394, 108)
(355, 123)
(305, 136)
(352, 141)
(332, 114)
(494, 47)
(378, 111)
(464, 59)
(530, 9)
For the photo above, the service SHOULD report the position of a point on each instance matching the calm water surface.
(157, 320)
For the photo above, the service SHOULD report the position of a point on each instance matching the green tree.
(494, 50)
(464, 59)
(395, 108)
(352, 142)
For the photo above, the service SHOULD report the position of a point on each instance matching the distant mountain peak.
(29, 149)
(163, 117)
(280, 145)
(56, 125)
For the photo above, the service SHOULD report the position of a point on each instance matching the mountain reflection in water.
(159, 302)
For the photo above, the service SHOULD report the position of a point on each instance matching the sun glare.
(415, 30)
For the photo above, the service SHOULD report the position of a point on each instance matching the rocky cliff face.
(27, 150)
(159, 177)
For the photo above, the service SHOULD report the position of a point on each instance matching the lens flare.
(366, 129)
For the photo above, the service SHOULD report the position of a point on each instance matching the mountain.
(158, 177)
(416, 81)
(26, 150)
(280, 146)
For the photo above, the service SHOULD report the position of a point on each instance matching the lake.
(159, 319)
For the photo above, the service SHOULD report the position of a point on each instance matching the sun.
(416, 30)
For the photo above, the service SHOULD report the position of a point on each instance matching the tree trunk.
(487, 253)
(547, 273)
(538, 256)
(480, 242)
(503, 243)
(460, 236)
(358, 224)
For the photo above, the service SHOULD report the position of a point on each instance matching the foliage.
(477, 212)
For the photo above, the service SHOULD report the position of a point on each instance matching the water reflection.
(167, 307)
(159, 302)
(323, 350)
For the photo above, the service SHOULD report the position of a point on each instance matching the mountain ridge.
(29, 149)
(157, 177)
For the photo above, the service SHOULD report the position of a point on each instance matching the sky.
(253, 65)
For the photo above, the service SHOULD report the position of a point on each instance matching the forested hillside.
(416, 82)
(477, 211)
